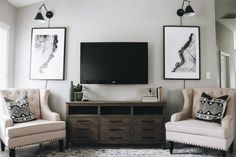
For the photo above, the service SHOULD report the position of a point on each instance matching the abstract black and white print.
(181, 52)
(45, 46)
(47, 53)
(187, 56)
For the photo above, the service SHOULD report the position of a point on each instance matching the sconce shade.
(39, 17)
(189, 11)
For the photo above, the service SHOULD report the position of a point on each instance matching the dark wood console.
(115, 122)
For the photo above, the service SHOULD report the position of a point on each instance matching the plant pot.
(78, 96)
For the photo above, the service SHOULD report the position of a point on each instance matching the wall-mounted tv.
(114, 63)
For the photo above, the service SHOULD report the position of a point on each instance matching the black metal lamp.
(39, 17)
(188, 10)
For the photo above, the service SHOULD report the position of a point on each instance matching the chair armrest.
(47, 114)
(226, 121)
(5, 120)
(180, 116)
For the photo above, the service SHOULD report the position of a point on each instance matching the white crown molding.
(23, 3)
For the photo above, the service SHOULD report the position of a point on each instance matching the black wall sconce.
(188, 10)
(39, 17)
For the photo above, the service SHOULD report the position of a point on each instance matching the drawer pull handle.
(115, 121)
(115, 129)
(148, 121)
(148, 138)
(82, 129)
(83, 121)
(83, 137)
(115, 138)
(146, 129)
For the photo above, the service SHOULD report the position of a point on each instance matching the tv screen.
(114, 63)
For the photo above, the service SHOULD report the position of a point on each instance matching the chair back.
(214, 92)
(13, 94)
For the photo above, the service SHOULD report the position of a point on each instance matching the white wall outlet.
(208, 75)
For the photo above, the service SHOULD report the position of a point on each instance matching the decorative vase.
(78, 96)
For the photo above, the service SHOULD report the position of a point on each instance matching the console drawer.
(152, 121)
(148, 138)
(83, 130)
(115, 122)
(115, 130)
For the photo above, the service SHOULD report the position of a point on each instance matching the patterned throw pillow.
(19, 110)
(212, 109)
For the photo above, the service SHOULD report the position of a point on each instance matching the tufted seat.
(47, 127)
(34, 127)
(184, 128)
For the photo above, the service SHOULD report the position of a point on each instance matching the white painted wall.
(113, 20)
(7, 16)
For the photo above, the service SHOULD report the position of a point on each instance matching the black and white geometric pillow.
(212, 109)
(19, 110)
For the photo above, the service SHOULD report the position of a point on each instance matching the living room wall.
(112, 20)
(8, 16)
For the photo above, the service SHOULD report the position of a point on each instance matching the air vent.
(229, 15)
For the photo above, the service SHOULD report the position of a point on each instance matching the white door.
(224, 68)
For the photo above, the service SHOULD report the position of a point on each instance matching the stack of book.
(149, 99)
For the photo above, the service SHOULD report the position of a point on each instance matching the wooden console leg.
(2, 146)
(231, 148)
(171, 146)
(222, 153)
(12, 153)
(61, 145)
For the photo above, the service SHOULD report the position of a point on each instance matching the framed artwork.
(47, 53)
(181, 52)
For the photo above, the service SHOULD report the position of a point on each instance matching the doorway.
(224, 70)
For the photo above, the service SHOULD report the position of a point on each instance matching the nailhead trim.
(201, 145)
(37, 143)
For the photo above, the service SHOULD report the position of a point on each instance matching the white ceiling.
(22, 3)
(221, 8)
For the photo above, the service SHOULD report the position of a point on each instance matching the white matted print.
(182, 52)
(47, 53)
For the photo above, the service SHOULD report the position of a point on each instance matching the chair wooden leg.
(231, 148)
(12, 153)
(223, 153)
(171, 146)
(2, 146)
(61, 145)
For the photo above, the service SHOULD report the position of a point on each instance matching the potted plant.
(78, 92)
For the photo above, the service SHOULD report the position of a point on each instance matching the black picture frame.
(181, 53)
(47, 57)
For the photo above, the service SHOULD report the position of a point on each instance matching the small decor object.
(151, 97)
(47, 53)
(78, 92)
(159, 93)
(181, 52)
(19, 110)
(212, 109)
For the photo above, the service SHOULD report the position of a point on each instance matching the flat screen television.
(114, 63)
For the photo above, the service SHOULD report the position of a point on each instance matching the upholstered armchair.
(185, 128)
(47, 126)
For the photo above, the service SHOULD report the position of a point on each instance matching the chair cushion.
(212, 109)
(198, 127)
(34, 127)
(19, 109)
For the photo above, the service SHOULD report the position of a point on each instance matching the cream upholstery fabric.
(34, 127)
(183, 128)
(47, 127)
(198, 127)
